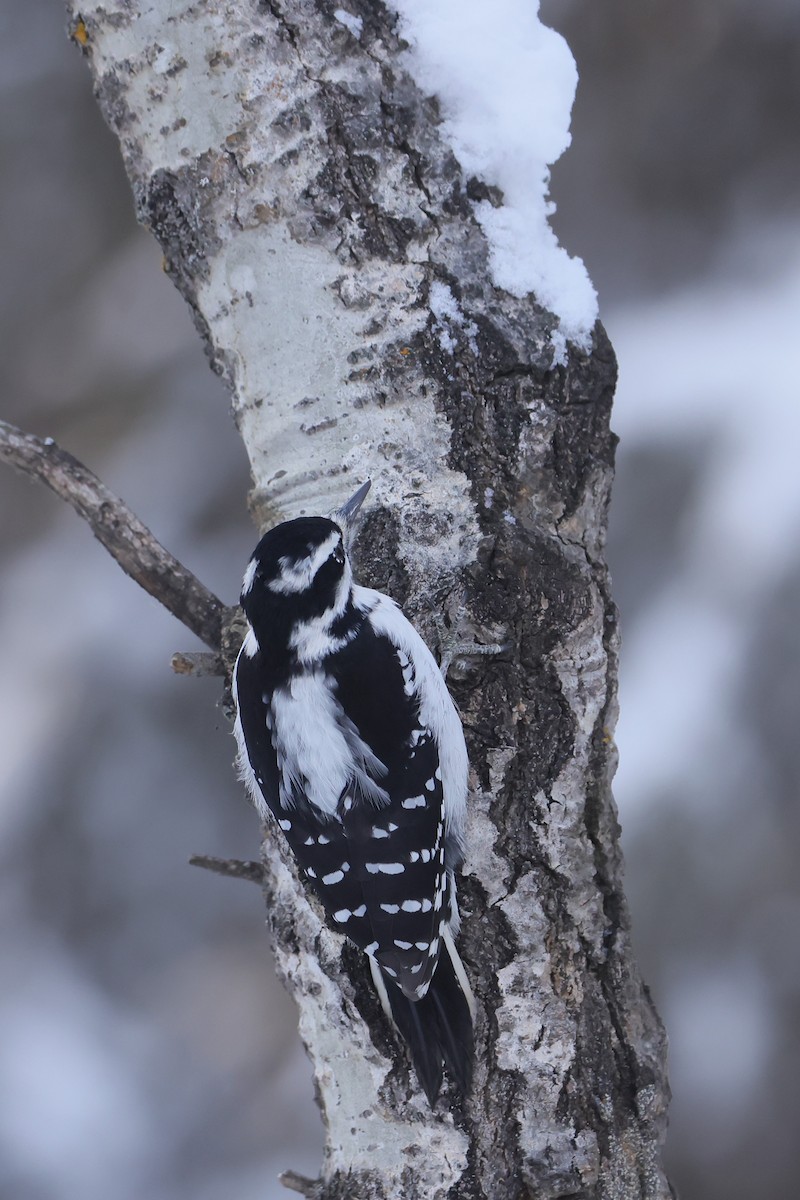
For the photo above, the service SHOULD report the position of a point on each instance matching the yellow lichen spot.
(405, 351)
(80, 33)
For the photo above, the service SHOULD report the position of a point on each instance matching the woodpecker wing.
(377, 855)
(396, 849)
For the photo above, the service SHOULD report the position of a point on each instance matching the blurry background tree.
(680, 194)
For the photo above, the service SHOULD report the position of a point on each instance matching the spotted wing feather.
(378, 868)
(399, 849)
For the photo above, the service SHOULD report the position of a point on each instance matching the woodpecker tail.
(437, 1028)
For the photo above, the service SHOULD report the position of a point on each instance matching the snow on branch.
(506, 85)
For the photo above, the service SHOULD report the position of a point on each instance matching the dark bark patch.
(581, 396)
(173, 208)
(110, 94)
(376, 562)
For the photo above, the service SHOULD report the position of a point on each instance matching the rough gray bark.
(305, 201)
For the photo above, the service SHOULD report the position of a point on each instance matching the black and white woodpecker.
(348, 736)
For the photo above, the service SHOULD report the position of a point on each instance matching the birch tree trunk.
(322, 233)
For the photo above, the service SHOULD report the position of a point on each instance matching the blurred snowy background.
(145, 1046)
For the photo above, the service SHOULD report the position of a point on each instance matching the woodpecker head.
(299, 571)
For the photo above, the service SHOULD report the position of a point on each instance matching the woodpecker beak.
(346, 515)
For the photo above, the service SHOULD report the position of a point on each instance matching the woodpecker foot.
(453, 650)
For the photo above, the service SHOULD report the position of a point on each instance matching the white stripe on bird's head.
(249, 576)
(298, 576)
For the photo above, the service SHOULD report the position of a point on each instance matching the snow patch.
(354, 24)
(506, 84)
(446, 310)
(559, 344)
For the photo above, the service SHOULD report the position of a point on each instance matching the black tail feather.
(413, 1022)
(438, 1030)
(453, 1024)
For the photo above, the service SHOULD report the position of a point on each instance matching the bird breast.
(320, 752)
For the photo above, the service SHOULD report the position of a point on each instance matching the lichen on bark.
(308, 207)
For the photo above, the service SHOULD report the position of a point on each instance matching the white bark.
(306, 204)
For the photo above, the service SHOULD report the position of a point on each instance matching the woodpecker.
(348, 737)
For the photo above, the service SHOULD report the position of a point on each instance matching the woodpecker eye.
(338, 554)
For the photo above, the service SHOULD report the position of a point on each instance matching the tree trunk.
(321, 230)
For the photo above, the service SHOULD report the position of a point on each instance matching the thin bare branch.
(121, 532)
(299, 1183)
(185, 662)
(234, 868)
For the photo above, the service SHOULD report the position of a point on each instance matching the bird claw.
(453, 650)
